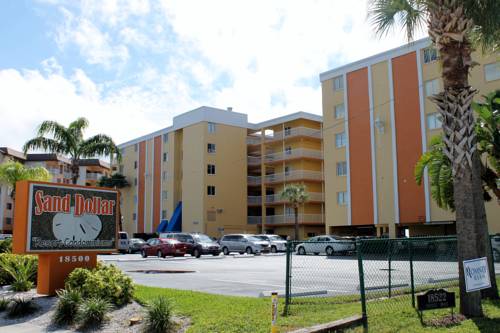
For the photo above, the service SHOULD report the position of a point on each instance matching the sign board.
(435, 299)
(477, 275)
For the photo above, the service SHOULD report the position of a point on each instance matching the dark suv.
(196, 244)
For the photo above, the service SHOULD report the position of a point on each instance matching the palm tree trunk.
(75, 171)
(296, 213)
(448, 28)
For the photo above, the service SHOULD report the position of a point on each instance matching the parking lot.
(254, 276)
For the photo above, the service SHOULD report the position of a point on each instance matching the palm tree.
(450, 24)
(69, 141)
(116, 181)
(295, 195)
(12, 172)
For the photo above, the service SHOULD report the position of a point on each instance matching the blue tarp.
(162, 227)
(175, 223)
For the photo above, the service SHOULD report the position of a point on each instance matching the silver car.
(277, 243)
(330, 245)
(242, 243)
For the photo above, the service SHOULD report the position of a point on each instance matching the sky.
(129, 67)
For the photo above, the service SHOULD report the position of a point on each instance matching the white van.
(123, 242)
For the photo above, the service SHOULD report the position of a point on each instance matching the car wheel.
(196, 253)
(274, 249)
(316, 253)
(216, 254)
(329, 251)
(301, 251)
(143, 254)
(249, 250)
(225, 250)
(159, 254)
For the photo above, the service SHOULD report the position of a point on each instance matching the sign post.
(274, 312)
(66, 225)
(435, 299)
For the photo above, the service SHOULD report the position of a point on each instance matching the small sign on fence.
(435, 299)
(477, 275)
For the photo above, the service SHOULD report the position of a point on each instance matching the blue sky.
(131, 66)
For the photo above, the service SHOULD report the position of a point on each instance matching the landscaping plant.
(18, 270)
(4, 303)
(67, 306)
(105, 281)
(93, 311)
(159, 315)
(6, 245)
(20, 307)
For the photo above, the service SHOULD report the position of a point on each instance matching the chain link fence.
(340, 270)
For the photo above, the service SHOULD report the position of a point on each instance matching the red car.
(162, 247)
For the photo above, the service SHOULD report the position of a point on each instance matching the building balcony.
(253, 140)
(256, 200)
(293, 154)
(93, 176)
(295, 132)
(254, 160)
(287, 219)
(282, 177)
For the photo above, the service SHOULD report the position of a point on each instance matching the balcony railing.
(293, 175)
(93, 176)
(254, 160)
(254, 200)
(253, 140)
(276, 198)
(286, 219)
(254, 180)
(295, 131)
(293, 153)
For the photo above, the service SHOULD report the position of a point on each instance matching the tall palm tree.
(116, 181)
(450, 24)
(69, 141)
(296, 195)
(12, 172)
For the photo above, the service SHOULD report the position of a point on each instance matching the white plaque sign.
(477, 275)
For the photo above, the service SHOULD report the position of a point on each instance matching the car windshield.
(261, 237)
(275, 238)
(203, 238)
(137, 240)
(253, 239)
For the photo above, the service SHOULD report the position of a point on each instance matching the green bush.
(93, 311)
(20, 307)
(4, 303)
(67, 306)
(6, 245)
(159, 315)
(105, 281)
(18, 270)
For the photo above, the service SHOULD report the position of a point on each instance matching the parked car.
(5, 236)
(122, 242)
(330, 245)
(135, 245)
(196, 244)
(242, 243)
(162, 247)
(277, 243)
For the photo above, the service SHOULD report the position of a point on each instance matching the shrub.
(105, 281)
(67, 306)
(20, 307)
(18, 270)
(159, 315)
(93, 311)
(6, 245)
(4, 303)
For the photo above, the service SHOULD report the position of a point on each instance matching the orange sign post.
(66, 225)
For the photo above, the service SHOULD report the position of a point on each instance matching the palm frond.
(99, 145)
(46, 144)
(56, 130)
(485, 13)
(77, 127)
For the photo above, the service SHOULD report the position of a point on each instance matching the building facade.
(212, 167)
(378, 120)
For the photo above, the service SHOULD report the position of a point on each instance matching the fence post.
(361, 283)
(389, 262)
(410, 248)
(288, 276)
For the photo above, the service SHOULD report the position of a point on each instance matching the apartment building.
(192, 176)
(92, 170)
(377, 122)
(58, 166)
(281, 151)
(6, 203)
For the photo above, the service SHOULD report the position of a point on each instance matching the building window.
(9, 206)
(165, 157)
(211, 127)
(341, 168)
(135, 181)
(288, 131)
(339, 111)
(136, 147)
(434, 120)
(164, 175)
(163, 214)
(341, 198)
(134, 217)
(135, 164)
(211, 215)
(288, 150)
(211, 148)
(211, 169)
(210, 190)
(165, 138)
(340, 140)
(492, 71)
(289, 211)
(338, 83)
(430, 55)
(8, 220)
(431, 87)
(164, 194)
(287, 170)
(120, 168)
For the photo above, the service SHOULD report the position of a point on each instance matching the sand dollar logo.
(79, 228)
